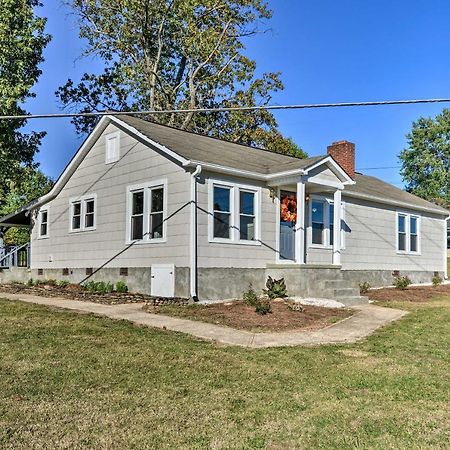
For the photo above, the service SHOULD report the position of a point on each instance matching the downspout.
(194, 235)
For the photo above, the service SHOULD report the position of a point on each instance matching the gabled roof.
(371, 188)
(205, 149)
(189, 149)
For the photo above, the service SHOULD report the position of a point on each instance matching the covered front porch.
(308, 207)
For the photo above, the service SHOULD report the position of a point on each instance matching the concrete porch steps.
(344, 292)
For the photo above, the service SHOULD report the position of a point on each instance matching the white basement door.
(163, 280)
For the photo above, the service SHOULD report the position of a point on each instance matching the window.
(222, 212)
(76, 216)
(408, 227)
(321, 223)
(413, 236)
(137, 216)
(112, 144)
(156, 213)
(246, 215)
(318, 222)
(89, 221)
(331, 220)
(43, 223)
(234, 215)
(83, 213)
(147, 210)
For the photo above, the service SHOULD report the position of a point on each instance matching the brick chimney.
(343, 152)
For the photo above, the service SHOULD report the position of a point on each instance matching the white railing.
(15, 256)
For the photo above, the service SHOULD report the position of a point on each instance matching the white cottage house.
(174, 213)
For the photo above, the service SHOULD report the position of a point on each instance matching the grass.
(78, 381)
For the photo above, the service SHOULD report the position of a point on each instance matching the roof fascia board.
(393, 203)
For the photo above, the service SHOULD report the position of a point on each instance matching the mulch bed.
(75, 292)
(417, 294)
(238, 315)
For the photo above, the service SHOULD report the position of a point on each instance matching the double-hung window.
(408, 233)
(222, 212)
(137, 215)
(83, 213)
(43, 223)
(321, 222)
(147, 208)
(234, 214)
(247, 215)
(318, 222)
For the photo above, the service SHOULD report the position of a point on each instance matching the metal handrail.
(13, 252)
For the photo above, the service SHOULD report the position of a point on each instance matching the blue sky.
(327, 51)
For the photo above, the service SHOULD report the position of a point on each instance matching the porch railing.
(15, 256)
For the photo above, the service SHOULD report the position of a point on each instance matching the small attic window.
(112, 145)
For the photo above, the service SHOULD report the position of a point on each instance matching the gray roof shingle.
(200, 148)
(197, 147)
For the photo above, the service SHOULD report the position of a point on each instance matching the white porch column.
(337, 227)
(300, 225)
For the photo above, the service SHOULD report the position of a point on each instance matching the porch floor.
(368, 319)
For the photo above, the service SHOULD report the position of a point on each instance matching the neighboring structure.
(126, 204)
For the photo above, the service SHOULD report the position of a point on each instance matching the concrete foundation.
(380, 278)
(217, 283)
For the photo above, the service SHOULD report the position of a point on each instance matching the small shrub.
(30, 282)
(50, 282)
(402, 282)
(364, 287)
(121, 287)
(437, 280)
(275, 288)
(250, 297)
(98, 287)
(263, 307)
(62, 283)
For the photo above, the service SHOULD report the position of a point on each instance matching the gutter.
(194, 236)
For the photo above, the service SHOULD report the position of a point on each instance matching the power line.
(225, 109)
(379, 168)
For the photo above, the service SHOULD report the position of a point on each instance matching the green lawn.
(77, 381)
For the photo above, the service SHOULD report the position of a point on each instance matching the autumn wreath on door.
(288, 210)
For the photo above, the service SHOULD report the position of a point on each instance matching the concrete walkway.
(364, 322)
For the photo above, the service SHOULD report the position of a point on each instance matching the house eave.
(400, 204)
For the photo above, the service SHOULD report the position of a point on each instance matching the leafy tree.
(22, 41)
(178, 54)
(30, 184)
(426, 161)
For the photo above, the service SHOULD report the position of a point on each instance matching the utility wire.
(379, 168)
(225, 109)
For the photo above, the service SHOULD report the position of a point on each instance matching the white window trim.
(326, 231)
(83, 200)
(109, 136)
(235, 188)
(43, 236)
(408, 233)
(146, 187)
